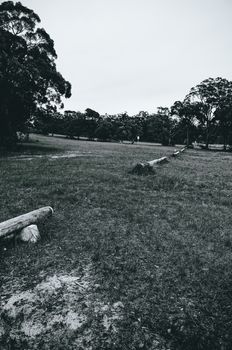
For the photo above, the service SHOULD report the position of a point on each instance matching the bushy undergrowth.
(160, 244)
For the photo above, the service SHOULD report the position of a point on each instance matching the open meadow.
(126, 261)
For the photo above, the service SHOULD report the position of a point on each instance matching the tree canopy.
(29, 80)
(213, 99)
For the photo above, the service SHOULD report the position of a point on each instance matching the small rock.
(118, 304)
(30, 234)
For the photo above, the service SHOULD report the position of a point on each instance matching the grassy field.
(152, 254)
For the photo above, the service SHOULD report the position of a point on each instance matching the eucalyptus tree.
(163, 116)
(223, 117)
(92, 121)
(213, 98)
(186, 113)
(29, 80)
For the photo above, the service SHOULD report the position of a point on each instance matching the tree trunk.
(207, 137)
(187, 136)
(207, 133)
(19, 222)
(224, 143)
(224, 137)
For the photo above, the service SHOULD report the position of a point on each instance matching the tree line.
(32, 90)
(90, 124)
(204, 116)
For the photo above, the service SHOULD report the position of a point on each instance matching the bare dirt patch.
(51, 156)
(63, 310)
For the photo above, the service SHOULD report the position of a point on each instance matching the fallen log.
(175, 154)
(19, 222)
(158, 161)
(147, 167)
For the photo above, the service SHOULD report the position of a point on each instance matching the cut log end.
(51, 210)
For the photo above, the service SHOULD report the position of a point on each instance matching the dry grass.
(160, 244)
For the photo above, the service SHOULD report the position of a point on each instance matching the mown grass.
(161, 244)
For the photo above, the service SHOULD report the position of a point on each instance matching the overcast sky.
(133, 55)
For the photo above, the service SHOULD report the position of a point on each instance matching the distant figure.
(138, 138)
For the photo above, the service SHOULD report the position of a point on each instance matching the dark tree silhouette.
(29, 80)
(187, 113)
(91, 114)
(214, 98)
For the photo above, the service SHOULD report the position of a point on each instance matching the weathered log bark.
(19, 222)
(175, 154)
(158, 161)
(147, 167)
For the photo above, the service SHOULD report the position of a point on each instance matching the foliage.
(29, 80)
(184, 123)
(213, 99)
(186, 113)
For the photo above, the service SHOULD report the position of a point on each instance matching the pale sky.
(133, 55)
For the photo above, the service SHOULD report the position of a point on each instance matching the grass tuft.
(142, 169)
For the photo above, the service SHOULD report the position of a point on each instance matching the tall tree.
(92, 121)
(211, 95)
(223, 117)
(186, 113)
(166, 125)
(29, 79)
